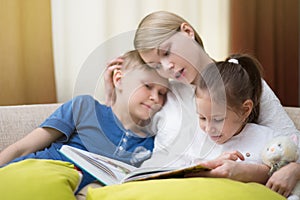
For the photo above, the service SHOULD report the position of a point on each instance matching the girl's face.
(180, 57)
(145, 93)
(219, 122)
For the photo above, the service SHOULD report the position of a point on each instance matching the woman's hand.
(113, 65)
(285, 179)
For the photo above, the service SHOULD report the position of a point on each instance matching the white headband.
(233, 60)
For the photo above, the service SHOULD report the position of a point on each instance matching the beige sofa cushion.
(294, 113)
(17, 121)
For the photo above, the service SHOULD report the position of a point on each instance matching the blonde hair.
(132, 60)
(158, 27)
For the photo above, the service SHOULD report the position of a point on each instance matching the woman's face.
(180, 57)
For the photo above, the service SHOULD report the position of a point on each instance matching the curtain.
(269, 30)
(87, 34)
(26, 67)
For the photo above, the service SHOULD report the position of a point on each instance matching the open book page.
(108, 171)
(161, 173)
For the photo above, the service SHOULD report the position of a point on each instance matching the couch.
(17, 121)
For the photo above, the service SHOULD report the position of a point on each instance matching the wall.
(87, 34)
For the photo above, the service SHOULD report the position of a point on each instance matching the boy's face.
(145, 92)
(216, 120)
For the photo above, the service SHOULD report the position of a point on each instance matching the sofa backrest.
(294, 113)
(17, 121)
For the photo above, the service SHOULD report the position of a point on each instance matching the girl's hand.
(285, 179)
(233, 155)
(220, 168)
(239, 171)
(113, 65)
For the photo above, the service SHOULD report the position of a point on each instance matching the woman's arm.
(285, 179)
(272, 114)
(38, 139)
(108, 82)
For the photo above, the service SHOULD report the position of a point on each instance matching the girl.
(228, 115)
(170, 44)
(83, 122)
(228, 99)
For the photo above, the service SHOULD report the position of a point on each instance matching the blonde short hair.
(132, 60)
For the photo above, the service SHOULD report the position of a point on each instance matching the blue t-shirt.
(89, 125)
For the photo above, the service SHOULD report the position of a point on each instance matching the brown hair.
(157, 27)
(238, 79)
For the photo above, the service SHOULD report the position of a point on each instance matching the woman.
(170, 44)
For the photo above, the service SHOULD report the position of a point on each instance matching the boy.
(115, 131)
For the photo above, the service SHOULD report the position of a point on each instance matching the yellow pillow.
(188, 188)
(34, 179)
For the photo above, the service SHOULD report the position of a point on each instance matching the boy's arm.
(38, 139)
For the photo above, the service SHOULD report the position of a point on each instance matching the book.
(110, 172)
